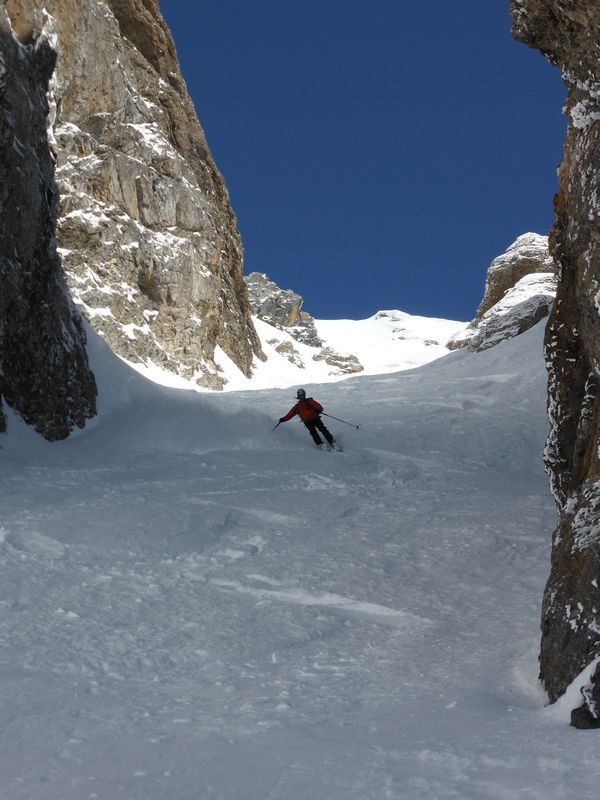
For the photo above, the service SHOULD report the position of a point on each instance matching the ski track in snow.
(194, 607)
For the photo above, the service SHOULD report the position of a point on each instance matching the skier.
(308, 410)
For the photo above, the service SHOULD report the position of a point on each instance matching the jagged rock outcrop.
(341, 363)
(147, 234)
(282, 309)
(44, 373)
(568, 33)
(522, 307)
(288, 351)
(527, 255)
(519, 291)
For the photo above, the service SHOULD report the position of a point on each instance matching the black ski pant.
(315, 425)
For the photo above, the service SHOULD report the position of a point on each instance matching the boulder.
(342, 364)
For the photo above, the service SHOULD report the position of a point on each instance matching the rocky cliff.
(520, 287)
(568, 34)
(282, 310)
(146, 231)
(44, 374)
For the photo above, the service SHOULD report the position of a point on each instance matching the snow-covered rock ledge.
(520, 289)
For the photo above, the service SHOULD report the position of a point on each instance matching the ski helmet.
(300, 394)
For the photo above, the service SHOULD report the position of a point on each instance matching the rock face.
(520, 288)
(522, 307)
(341, 363)
(147, 234)
(281, 308)
(527, 255)
(44, 374)
(568, 33)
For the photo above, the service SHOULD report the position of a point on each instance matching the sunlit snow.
(387, 342)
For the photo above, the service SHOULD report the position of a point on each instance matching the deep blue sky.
(378, 154)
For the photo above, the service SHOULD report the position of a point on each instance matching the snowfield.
(194, 606)
(386, 342)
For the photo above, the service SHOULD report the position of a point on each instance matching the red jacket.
(307, 409)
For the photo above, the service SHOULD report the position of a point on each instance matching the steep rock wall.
(148, 237)
(568, 33)
(44, 374)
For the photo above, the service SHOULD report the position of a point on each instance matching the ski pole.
(352, 425)
(276, 426)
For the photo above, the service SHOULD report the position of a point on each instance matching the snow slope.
(390, 340)
(386, 342)
(195, 607)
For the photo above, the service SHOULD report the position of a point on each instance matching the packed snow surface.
(194, 606)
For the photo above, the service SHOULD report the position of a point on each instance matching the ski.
(328, 448)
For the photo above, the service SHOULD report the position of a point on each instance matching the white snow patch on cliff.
(582, 116)
(572, 698)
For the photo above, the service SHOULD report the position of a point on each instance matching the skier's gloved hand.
(281, 419)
